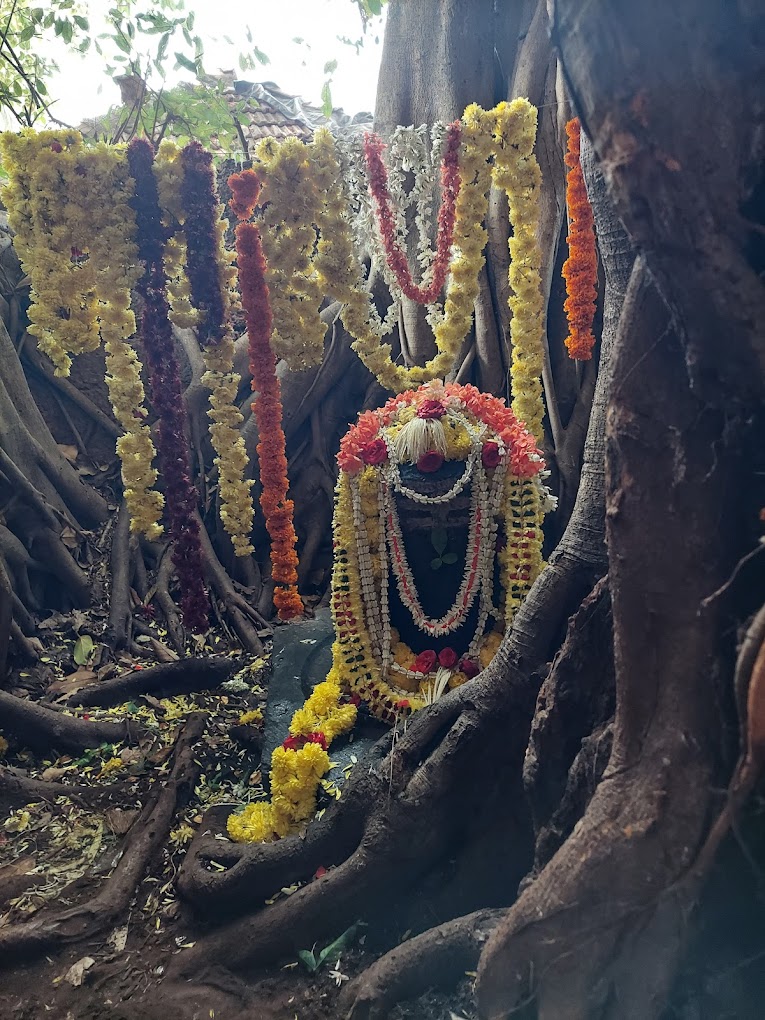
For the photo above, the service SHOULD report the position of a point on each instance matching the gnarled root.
(57, 927)
(17, 788)
(41, 728)
(436, 959)
(164, 681)
(605, 914)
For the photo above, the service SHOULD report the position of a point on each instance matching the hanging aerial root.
(58, 927)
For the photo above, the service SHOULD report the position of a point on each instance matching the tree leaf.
(330, 67)
(326, 100)
(439, 539)
(307, 958)
(337, 947)
(184, 61)
(83, 649)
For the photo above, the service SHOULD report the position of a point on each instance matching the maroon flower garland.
(200, 204)
(165, 390)
(450, 187)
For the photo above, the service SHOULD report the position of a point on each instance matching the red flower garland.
(165, 390)
(580, 270)
(450, 186)
(267, 407)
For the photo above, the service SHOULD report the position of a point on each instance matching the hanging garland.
(517, 173)
(395, 254)
(291, 201)
(267, 407)
(75, 236)
(211, 273)
(166, 392)
(580, 270)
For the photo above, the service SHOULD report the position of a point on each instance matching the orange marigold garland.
(580, 270)
(267, 407)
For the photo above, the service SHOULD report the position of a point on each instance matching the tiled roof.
(270, 113)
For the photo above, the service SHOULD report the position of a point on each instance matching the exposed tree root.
(17, 788)
(436, 959)
(119, 627)
(246, 620)
(58, 927)
(575, 700)
(594, 935)
(163, 681)
(42, 728)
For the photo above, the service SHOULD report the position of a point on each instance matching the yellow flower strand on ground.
(296, 772)
(517, 173)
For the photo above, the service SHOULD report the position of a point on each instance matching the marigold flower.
(580, 270)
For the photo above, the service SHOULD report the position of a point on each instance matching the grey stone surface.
(301, 658)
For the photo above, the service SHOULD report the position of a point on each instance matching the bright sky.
(296, 67)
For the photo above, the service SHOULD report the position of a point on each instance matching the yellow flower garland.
(517, 173)
(88, 196)
(169, 176)
(53, 233)
(462, 290)
(296, 772)
(236, 509)
(292, 199)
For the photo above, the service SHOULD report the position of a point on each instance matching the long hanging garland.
(267, 408)
(75, 231)
(580, 270)
(450, 186)
(166, 391)
(211, 274)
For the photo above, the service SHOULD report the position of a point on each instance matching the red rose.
(402, 705)
(430, 461)
(425, 662)
(490, 455)
(293, 743)
(447, 658)
(470, 668)
(375, 452)
(431, 409)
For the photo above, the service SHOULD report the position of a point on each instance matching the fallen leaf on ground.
(76, 973)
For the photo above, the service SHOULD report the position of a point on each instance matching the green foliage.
(311, 961)
(24, 73)
(143, 41)
(439, 539)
